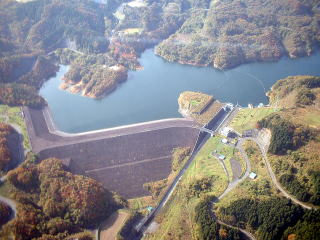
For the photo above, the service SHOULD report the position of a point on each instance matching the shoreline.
(53, 128)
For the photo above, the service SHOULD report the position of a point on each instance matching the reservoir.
(152, 93)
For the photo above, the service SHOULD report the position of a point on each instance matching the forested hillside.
(98, 37)
(31, 30)
(294, 144)
(5, 154)
(229, 33)
(54, 203)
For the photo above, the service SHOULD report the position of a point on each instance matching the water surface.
(152, 93)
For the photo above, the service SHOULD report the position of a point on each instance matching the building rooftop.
(225, 131)
(252, 175)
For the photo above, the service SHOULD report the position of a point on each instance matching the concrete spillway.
(122, 158)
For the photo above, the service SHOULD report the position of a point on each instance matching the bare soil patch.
(112, 225)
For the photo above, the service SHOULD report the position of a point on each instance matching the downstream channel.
(152, 93)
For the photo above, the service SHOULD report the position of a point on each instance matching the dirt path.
(248, 234)
(112, 225)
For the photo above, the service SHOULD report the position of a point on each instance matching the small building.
(221, 157)
(253, 175)
(149, 209)
(225, 141)
(228, 106)
(226, 131)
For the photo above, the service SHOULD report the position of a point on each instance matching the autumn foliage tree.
(5, 155)
(5, 213)
(20, 94)
(54, 202)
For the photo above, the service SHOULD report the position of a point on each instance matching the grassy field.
(176, 219)
(205, 163)
(248, 117)
(13, 116)
(302, 160)
(5, 189)
(141, 204)
(307, 116)
(259, 188)
(313, 119)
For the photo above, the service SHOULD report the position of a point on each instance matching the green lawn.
(205, 165)
(5, 189)
(248, 117)
(194, 102)
(312, 119)
(13, 116)
(259, 188)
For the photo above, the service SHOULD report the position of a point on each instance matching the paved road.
(234, 183)
(263, 146)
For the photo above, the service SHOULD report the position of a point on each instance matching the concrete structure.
(217, 122)
(226, 131)
(122, 158)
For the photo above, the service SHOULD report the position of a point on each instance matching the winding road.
(262, 141)
(235, 183)
(263, 146)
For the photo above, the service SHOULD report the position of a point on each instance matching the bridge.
(203, 129)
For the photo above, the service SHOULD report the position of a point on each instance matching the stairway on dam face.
(121, 163)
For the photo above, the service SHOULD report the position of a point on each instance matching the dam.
(121, 158)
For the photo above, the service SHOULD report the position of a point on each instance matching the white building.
(225, 131)
(253, 175)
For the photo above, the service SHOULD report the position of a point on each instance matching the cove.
(152, 93)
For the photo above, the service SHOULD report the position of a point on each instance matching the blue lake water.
(152, 93)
